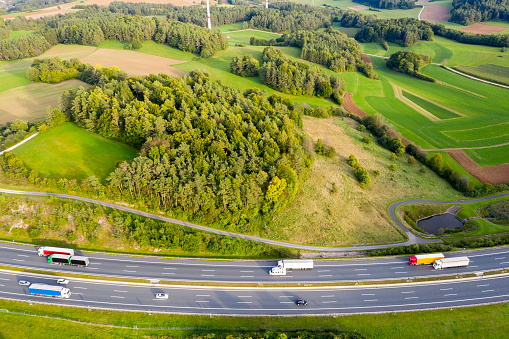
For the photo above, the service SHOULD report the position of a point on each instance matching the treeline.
(495, 40)
(330, 48)
(298, 78)
(467, 12)
(29, 5)
(13, 132)
(247, 66)
(409, 63)
(25, 46)
(404, 31)
(388, 4)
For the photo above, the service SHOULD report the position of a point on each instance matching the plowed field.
(482, 29)
(435, 13)
(497, 174)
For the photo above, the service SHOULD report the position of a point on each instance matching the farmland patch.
(358, 8)
(490, 156)
(435, 13)
(30, 102)
(482, 133)
(437, 110)
(479, 28)
(496, 174)
(490, 72)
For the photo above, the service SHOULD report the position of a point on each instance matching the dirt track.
(482, 29)
(367, 59)
(435, 13)
(497, 174)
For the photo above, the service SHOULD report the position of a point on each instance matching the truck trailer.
(451, 262)
(68, 259)
(284, 265)
(50, 290)
(45, 251)
(421, 259)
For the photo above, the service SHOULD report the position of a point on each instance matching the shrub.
(361, 128)
(366, 140)
(352, 161)
(393, 167)
(411, 160)
(362, 176)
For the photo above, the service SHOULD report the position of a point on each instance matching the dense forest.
(247, 66)
(298, 78)
(404, 32)
(30, 5)
(330, 48)
(207, 151)
(409, 63)
(467, 12)
(388, 4)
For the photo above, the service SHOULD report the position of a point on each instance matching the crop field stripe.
(441, 112)
(490, 72)
(490, 132)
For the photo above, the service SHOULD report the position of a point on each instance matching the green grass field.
(490, 72)
(41, 321)
(152, 48)
(243, 37)
(16, 34)
(437, 111)
(13, 79)
(68, 151)
(490, 156)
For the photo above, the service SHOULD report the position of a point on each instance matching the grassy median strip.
(250, 285)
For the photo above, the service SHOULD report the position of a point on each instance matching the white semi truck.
(284, 265)
(451, 262)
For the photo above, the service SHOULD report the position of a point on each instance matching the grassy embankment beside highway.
(43, 321)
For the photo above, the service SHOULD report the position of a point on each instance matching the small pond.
(432, 224)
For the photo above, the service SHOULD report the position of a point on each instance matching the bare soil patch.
(482, 29)
(367, 59)
(64, 8)
(358, 8)
(497, 174)
(68, 51)
(133, 63)
(435, 13)
(351, 107)
(30, 102)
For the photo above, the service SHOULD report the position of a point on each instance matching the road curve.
(412, 239)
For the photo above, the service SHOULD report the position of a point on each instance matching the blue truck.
(50, 290)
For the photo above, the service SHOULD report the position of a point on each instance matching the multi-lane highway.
(250, 271)
(270, 301)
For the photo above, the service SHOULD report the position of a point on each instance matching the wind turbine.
(266, 3)
(209, 25)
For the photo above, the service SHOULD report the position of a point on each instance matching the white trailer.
(296, 264)
(284, 265)
(451, 262)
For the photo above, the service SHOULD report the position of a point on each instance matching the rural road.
(412, 239)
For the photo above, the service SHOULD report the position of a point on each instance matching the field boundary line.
(398, 93)
(474, 78)
(462, 148)
(19, 143)
(250, 29)
(439, 105)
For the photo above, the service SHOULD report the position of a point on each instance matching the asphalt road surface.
(250, 301)
(251, 271)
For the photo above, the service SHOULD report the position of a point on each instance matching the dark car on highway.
(301, 302)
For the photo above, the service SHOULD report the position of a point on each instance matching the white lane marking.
(474, 266)
(395, 268)
(371, 300)
(504, 262)
(408, 292)
(131, 266)
(169, 268)
(246, 271)
(499, 258)
(120, 291)
(247, 276)
(2, 285)
(324, 271)
(450, 294)
(286, 296)
(129, 271)
(208, 270)
(18, 259)
(81, 288)
(483, 285)
(361, 269)
(244, 302)
(286, 302)
(245, 296)
(167, 273)
(363, 274)
(328, 296)
(95, 263)
(368, 294)
(446, 289)
(488, 291)
(328, 302)
(203, 295)
(326, 275)
(207, 275)
(23, 255)
(93, 268)
(5, 279)
(411, 298)
(201, 301)
(116, 296)
(400, 272)
(73, 293)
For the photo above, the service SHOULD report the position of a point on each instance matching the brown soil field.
(497, 174)
(30, 102)
(64, 8)
(435, 13)
(367, 59)
(133, 63)
(68, 51)
(358, 8)
(482, 29)
(351, 107)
